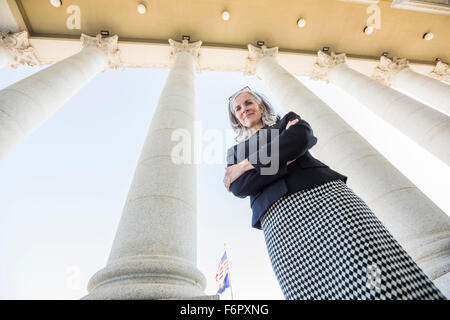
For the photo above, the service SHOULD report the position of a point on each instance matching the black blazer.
(305, 172)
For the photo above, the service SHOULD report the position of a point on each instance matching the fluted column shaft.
(431, 91)
(26, 104)
(414, 220)
(426, 126)
(154, 251)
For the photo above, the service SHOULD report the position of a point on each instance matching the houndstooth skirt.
(326, 243)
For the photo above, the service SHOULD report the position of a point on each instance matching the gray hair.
(268, 117)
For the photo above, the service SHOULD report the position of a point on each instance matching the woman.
(323, 241)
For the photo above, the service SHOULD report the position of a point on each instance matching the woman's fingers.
(290, 161)
(291, 123)
(227, 178)
(232, 173)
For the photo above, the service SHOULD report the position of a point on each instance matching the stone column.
(26, 104)
(426, 126)
(414, 220)
(154, 251)
(398, 74)
(15, 50)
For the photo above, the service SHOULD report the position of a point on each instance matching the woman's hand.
(290, 123)
(232, 173)
(235, 171)
(289, 162)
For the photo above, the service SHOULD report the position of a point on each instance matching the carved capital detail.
(255, 55)
(107, 45)
(324, 63)
(184, 46)
(18, 46)
(386, 69)
(441, 72)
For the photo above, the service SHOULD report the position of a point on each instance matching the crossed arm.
(245, 176)
(246, 180)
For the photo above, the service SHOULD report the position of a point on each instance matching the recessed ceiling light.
(428, 36)
(55, 3)
(141, 8)
(225, 15)
(368, 30)
(301, 23)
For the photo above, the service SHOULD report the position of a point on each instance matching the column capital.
(109, 46)
(387, 69)
(441, 72)
(255, 55)
(324, 63)
(18, 46)
(184, 46)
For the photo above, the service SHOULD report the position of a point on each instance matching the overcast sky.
(63, 189)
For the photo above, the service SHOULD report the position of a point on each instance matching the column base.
(141, 291)
(146, 278)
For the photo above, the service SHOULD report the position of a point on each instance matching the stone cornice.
(324, 63)
(192, 48)
(18, 46)
(213, 58)
(441, 72)
(107, 45)
(255, 55)
(387, 69)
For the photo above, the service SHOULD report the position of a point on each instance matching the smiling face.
(247, 111)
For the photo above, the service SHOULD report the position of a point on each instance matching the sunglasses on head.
(244, 89)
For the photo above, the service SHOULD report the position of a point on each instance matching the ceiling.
(333, 23)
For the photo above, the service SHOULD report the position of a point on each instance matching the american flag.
(222, 277)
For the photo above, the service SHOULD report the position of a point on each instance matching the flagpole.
(229, 272)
